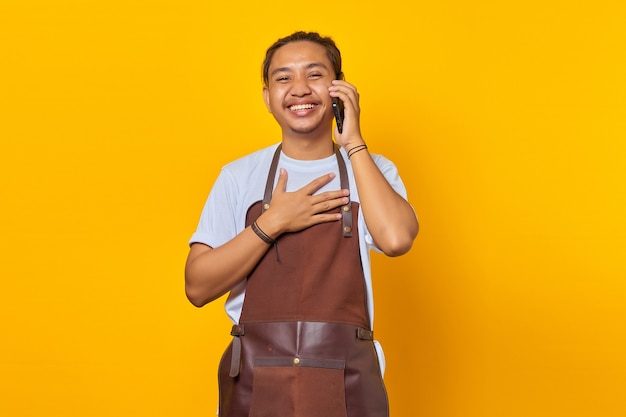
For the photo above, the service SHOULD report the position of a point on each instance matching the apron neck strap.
(346, 210)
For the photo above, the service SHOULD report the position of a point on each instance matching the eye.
(315, 75)
(282, 79)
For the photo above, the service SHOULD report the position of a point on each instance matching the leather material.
(303, 346)
(236, 331)
(316, 277)
(326, 352)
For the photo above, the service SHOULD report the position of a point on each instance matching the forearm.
(390, 219)
(210, 273)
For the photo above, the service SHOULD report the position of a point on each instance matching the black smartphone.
(338, 108)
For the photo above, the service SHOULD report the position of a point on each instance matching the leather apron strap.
(346, 210)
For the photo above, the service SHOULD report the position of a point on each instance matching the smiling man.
(287, 231)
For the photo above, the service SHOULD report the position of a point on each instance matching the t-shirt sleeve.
(390, 171)
(218, 223)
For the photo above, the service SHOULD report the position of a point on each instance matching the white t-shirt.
(241, 183)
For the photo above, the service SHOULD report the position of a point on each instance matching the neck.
(308, 148)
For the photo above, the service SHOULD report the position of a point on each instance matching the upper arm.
(196, 250)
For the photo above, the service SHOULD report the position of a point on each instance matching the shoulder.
(249, 164)
(381, 161)
(243, 179)
(390, 172)
(386, 166)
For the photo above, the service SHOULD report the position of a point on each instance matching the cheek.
(275, 99)
(322, 92)
(275, 104)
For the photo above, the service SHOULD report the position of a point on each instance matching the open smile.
(301, 107)
(297, 107)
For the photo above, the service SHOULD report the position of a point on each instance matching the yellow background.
(507, 121)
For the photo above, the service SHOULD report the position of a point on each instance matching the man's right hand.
(297, 210)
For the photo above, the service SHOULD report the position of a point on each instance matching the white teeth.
(301, 107)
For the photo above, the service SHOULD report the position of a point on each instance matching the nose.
(300, 87)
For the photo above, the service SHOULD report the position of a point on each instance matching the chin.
(303, 130)
(316, 127)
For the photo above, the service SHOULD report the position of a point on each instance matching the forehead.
(298, 54)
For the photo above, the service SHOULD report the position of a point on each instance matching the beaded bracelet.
(356, 149)
(260, 233)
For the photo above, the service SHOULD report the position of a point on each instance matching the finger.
(281, 184)
(317, 183)
(342, 83)
(331, 195)
(326, 205)
(343, 89)
(326, 217)
(349, 98)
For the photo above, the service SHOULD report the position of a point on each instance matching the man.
(287, 230)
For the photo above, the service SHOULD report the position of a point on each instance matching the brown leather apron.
(303, 346)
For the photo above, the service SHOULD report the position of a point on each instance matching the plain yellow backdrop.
(507, 121)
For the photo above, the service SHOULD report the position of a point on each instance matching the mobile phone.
(338, 109)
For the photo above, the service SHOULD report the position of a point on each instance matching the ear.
(266, 98)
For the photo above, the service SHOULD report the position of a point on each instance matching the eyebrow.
(308, 66)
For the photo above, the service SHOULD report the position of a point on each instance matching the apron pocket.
(298, 387)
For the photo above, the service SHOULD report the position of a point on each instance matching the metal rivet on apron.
(266, 206)
(296, 361)
(346, 208)
(347, 229)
